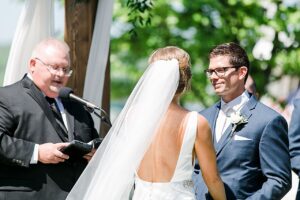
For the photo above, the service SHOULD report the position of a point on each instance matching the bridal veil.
(110, 173)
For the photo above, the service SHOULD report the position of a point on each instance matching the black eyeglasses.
(66, 71)
(220, 71)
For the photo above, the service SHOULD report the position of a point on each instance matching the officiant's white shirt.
(34, 157)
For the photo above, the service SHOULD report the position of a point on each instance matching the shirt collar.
(29, 76)
(236, 104)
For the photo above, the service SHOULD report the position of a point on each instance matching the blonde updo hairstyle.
(169, 53)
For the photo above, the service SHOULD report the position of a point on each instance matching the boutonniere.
(236, 119)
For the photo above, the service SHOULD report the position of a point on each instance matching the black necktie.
(56, 113)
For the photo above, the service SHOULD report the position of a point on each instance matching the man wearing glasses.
(35, 124)
(250, 139)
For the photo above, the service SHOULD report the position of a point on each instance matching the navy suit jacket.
(254, 162)
(294, 139)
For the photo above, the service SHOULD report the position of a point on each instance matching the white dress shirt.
(226, 110)
(34, 157)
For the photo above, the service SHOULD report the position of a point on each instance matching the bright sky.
(10, 11)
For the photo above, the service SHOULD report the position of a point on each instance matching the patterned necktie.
(56, 113)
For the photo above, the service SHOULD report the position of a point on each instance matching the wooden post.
(79, 25)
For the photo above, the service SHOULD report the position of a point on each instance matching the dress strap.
(184, 167)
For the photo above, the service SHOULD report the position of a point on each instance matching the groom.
(250, 139)
(294, 136)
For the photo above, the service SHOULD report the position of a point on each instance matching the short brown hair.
(237, 55)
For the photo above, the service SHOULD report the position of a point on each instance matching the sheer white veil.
(110, 174)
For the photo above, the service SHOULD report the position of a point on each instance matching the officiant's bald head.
(49, 66)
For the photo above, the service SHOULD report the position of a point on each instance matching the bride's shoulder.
(202, 122)
(200, 118)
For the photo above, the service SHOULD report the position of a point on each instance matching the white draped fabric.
(35, 23)
(95, 74)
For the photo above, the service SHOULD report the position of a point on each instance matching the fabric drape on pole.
(95, 73)
(35, 23)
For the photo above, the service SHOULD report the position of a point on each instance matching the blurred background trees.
(269, 30)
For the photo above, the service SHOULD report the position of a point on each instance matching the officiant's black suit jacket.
(26, 120)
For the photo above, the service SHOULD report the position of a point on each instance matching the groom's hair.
(169, 53)
(237, 55)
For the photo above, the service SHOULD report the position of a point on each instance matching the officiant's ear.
(243, 71)
(31, 66)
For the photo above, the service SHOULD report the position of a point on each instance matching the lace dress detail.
(181, 186)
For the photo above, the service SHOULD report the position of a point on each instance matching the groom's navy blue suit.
(294, 137)
(254, 163)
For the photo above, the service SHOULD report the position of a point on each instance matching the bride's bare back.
(159, 162)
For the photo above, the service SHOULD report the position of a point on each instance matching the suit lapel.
(224, 139)
(37, 95)
(250, 105)
(215, 116)
(246, 112)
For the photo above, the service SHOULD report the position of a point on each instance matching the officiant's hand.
(50, 153)
(89, 155)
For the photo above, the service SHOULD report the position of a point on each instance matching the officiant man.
(250, 139)
(35, 124)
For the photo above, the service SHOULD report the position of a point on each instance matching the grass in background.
(4, 51)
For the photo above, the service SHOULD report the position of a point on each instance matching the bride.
(150, 150)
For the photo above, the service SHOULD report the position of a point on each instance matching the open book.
(77, 149)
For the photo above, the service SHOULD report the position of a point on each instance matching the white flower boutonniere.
(236, 119)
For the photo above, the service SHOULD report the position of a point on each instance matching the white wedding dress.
(110, 175)
(181, 186)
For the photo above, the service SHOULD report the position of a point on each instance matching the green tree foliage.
(197, 26)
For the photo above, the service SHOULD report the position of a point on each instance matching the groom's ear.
(243, 72)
